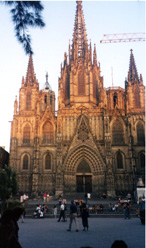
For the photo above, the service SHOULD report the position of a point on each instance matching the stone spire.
(94, 56)
(47, 85)
(80, 43)
(30, 75)
(132, 74)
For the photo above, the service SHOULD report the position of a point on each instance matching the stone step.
(104, 215)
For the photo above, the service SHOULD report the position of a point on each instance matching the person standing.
(48, 196)
(55, 211)
(73, 216)
(89, 196)
(65, 211)
(44, 197)
(85, 196)
(84, 215)
(127, 210)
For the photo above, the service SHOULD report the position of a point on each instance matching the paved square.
(48, 233)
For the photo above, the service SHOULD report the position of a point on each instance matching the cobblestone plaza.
(48, 233)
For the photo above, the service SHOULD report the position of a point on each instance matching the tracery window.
(83, 167)
(48, 133)
(48, 162)
(81, 83)
(25, 162)
(28, 101)
(83, 133)
(140, 134)
(119, 161)
(117, 133)
(26, 134)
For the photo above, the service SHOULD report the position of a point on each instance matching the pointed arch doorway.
(84, 177)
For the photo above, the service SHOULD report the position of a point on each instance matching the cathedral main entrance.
(84, 183)
(84, 178)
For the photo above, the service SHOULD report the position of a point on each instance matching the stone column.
(59, 173)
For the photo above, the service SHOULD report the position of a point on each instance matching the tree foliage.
(25, 14)
(8, 183)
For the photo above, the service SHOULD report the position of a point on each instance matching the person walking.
(84, 215)
(73, 216)
(62, 207)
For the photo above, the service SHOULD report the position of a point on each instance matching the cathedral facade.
(94, 142)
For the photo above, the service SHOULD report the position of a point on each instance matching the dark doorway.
(84, 183)
(84, 178)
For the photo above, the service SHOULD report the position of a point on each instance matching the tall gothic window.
(94, 86)
(115, 99)
(26, 134)
(119, 161)
(28, 101)
(48, 162)
(137, 98)
(48, 133)
(81, 83)
(51, 100)
(140, 134)
(67, 88)
(45, 99)
(25, 162)
(117, 133)
(142, 160)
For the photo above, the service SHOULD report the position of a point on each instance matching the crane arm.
(125, 37)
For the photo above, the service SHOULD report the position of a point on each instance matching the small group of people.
(46, 197)
(84, 213)
(24, 198)
(40, 211)
(9, 228)
(113, 207)
(100, 208)
(96, 209)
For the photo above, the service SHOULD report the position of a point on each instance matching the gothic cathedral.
(94, 142)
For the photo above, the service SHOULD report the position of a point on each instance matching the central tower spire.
(80, 83)
(80, 43)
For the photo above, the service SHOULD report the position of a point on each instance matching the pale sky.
(50, 43)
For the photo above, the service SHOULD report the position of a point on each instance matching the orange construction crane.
(125, 37)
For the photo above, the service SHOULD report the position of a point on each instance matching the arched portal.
(84, 170)
(83, 177)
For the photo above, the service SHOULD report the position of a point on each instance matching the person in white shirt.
(62, 215)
